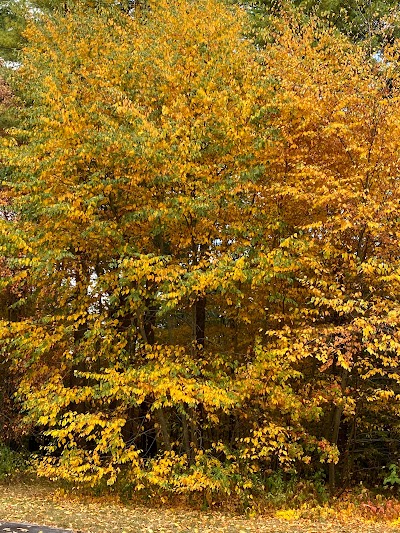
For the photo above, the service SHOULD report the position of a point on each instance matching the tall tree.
(338, 194)
(208, 234)
(132, 161)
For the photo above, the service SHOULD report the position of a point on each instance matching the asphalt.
(11, 527)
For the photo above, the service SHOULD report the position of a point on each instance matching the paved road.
(10, 527)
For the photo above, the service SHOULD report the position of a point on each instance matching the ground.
(9, 527)
(29, 503)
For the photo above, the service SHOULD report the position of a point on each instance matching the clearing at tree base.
(268, 525)
(42, 503)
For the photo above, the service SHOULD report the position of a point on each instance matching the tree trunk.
(199, 321)
(337, 416)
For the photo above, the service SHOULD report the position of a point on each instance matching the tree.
(14, 15)
(375, 23)
(206, 232)
(338, 197)
(10, 31)
(134, 157)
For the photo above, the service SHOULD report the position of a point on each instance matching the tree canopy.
(202, 247)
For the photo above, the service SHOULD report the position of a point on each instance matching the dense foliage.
(375, 21)
(200, 239)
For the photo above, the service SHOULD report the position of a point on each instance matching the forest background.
(199, 238)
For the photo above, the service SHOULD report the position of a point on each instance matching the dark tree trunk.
(199, 321)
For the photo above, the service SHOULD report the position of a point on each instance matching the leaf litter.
(40, 503)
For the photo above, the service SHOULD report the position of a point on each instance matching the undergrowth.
(12, 463)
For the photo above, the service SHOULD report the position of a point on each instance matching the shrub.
(11, 462)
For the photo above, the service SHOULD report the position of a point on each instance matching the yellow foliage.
(207, 234)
